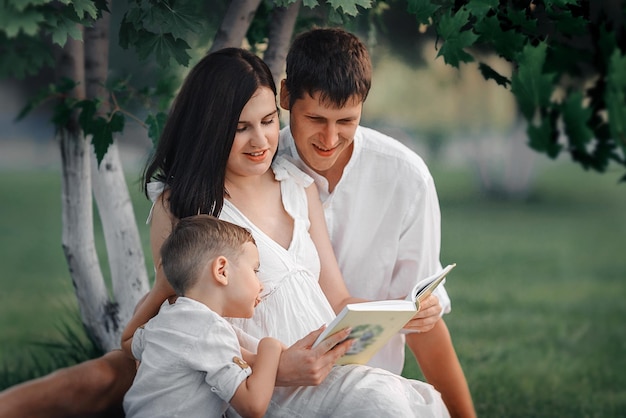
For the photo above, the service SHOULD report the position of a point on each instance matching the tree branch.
(282, 23)
(235, 24)
(125, 254)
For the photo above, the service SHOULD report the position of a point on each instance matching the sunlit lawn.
(538, 294)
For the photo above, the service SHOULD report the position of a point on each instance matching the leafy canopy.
(568, 57)
(569, 67)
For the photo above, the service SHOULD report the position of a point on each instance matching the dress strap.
(293, 182)
(154, 189)
(285, 169)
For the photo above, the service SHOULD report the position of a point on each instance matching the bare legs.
(94, 388)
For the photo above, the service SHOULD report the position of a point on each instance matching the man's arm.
(427, 317)
(439, 363)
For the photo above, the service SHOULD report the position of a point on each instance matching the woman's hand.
(428, 315)
(301, 365)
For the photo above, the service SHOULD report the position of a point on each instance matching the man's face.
(323, 133)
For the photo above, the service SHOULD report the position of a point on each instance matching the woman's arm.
(331, 280)
(160, 228)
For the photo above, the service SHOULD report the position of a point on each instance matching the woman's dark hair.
(193, 150)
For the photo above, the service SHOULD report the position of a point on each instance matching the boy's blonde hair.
(195, 241)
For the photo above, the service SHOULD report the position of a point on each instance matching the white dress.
(295, 305)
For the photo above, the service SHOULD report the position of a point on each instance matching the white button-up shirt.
(384, 223)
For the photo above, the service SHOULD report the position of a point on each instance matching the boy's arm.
(253, 395)
(439, 363)
(248, 356)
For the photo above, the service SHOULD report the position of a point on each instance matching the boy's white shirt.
(384, 223)
(187, 349)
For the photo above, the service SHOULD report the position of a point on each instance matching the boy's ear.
(284, 95)
(219, 269)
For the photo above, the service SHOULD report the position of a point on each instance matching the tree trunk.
(282, 23)
(235, 24)
(125, 253)
(98, 314)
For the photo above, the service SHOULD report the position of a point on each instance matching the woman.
(216, 156)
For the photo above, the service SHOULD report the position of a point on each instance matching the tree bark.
(125, 253)
(98, 315)
(282, 23)
(235, 24)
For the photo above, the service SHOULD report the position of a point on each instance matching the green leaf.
(334, 17)
(311, 4)
(480, 8)
(489, 73)
(62, 113)
(167, 47)
(507, 43)
(64, 28)
(559, 3)
(179, 21)
(576, 118)
(531, 87)
(64, 109)
(567, 60)
(28, 21)
(155, 126)
(519, 19)
(102, 132)
(101, 138)
(615, 97)
(568, 24)
(349, 7)
(450, 28)
(23, 56)
(84, 8)
(422, 9)
(607, 43)
(87, 115)
(126, 33)
(542, 137)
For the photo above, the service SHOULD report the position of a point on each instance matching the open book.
(374, 323)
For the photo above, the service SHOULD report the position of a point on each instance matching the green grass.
(37, 297)
(538, 294)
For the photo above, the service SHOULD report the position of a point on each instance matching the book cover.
(374, 323)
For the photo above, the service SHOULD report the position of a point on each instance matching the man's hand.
(428, 315)
(301, 365)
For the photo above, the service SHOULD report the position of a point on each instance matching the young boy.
(191, 363)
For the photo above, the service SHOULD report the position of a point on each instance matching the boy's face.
(244, 286)
(323, 133)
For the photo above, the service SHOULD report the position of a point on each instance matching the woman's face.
(256, 138)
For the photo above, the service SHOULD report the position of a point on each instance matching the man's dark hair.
(330, 61)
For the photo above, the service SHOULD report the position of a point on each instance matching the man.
(379, 198)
